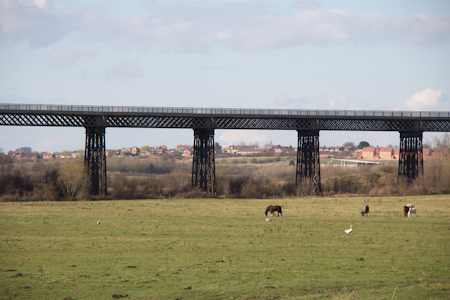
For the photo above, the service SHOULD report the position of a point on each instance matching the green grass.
(224, 249)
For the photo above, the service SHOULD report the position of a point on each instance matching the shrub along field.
(155, 177)
(225, 249)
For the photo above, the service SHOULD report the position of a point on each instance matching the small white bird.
(268, 219)
(349, 230)
(98, 222)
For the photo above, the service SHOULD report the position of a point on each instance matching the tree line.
(47, 181)
(170, 177)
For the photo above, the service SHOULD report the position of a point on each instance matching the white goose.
(349, 230)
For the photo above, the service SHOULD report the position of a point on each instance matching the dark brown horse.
(365, 211)
(273, 208)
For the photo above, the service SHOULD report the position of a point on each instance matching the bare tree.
(349, 144)
(442, 144)
(73, 180)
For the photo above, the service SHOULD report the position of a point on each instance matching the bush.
(73, 181)
(156, 177)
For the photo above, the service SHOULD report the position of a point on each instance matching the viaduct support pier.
(95, 158)
(410, 161)
(307, 175)
(203, 164)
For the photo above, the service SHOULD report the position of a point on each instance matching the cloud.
(203, 28)
(124, 71)
(32, 21)
(338, 102)
(294, 101)
(426, 99)
(66, 56)
(286, 101)
(38, 3)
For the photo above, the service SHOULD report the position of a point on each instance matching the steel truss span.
(19, 119)
(221, 118)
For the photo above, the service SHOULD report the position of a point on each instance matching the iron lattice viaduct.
(203, 121)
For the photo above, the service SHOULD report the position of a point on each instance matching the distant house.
(439, 155)
(125, 151)
(17, 154)
(34, 156)
(396, 154)
(161, 149)
(248, 150)
(76, 154)
(187, 153)
(182, 148)
(135, 150)
(113, 152)
(46, 155)
(386, 153)
(368, 152)
(130, 151)
(232, 149)
(275, 148)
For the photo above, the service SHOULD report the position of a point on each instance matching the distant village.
(366, 153)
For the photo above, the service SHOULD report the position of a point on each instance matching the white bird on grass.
(268, 219)
(349, 230)
(98, 222)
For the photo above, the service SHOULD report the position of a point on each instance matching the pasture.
(224, 249)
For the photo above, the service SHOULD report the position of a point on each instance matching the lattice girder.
(155, 122)
(221, 122)
(262, 123)
(367, 125)
(41, 120)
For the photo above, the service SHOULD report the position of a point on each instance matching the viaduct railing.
(307, 123)
(48, 108)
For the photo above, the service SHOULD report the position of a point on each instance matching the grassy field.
(224, 249)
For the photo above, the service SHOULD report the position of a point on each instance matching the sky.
(329, 54)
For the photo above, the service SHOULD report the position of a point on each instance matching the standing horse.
(273, 208)
(365, 211)
(405, 211)
(412, 209)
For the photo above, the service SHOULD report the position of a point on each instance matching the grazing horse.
(412, 209)
(273, 208)
(405, 211)
(365, 211)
